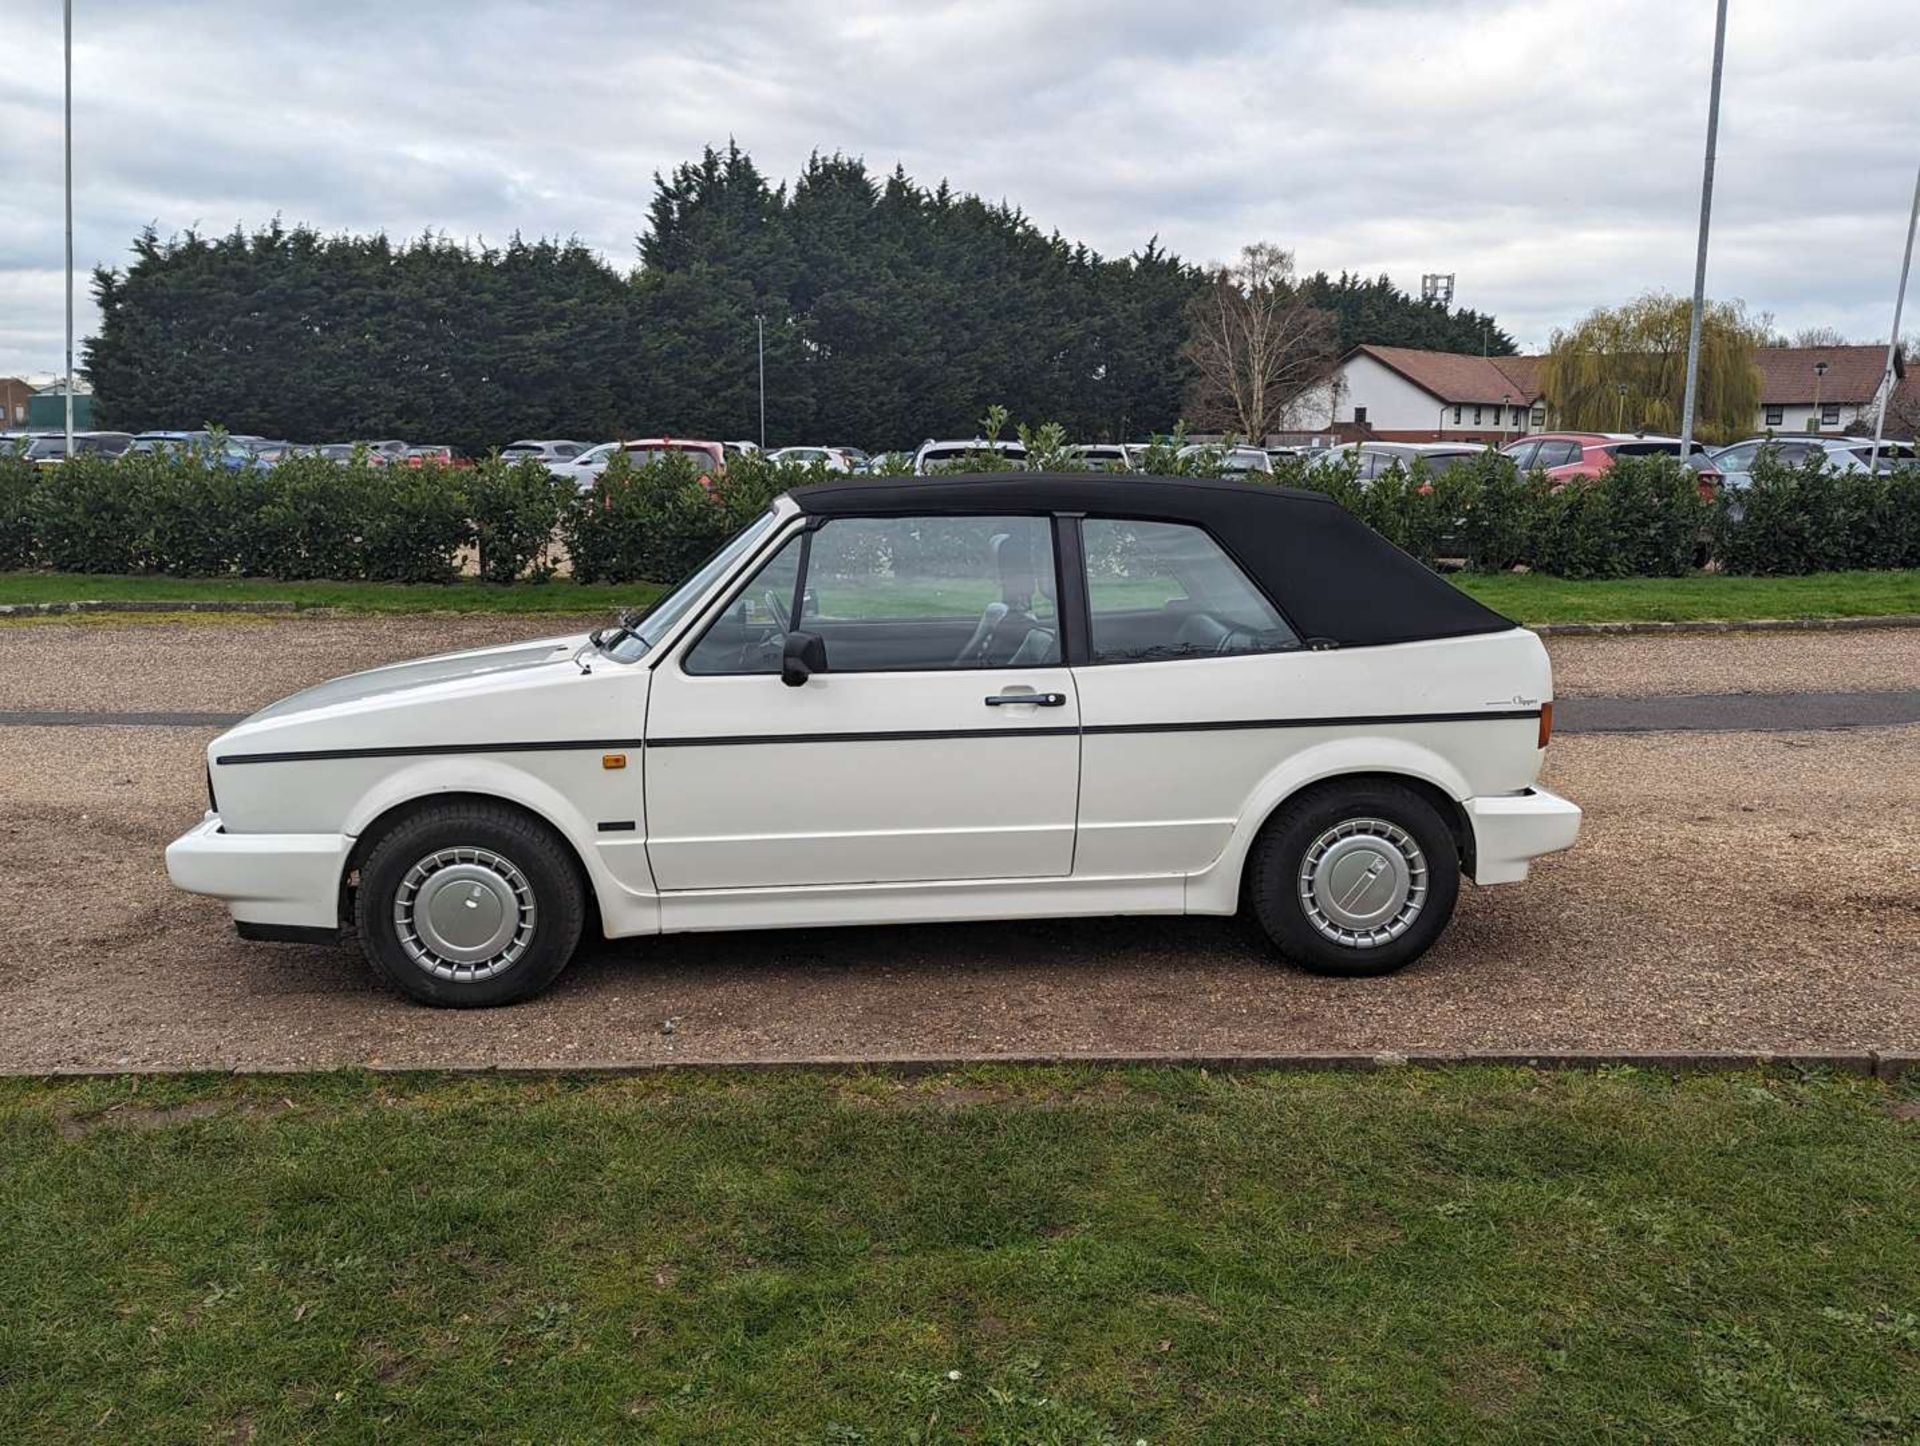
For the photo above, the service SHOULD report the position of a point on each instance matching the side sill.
(288, 933)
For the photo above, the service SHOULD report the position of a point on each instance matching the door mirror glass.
(804, 655)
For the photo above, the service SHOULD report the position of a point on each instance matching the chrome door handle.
(1037, 700)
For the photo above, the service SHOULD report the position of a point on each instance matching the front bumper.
(1511, 830)
(285, 879)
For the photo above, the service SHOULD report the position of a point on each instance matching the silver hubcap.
(1363, 882)
(464, 914)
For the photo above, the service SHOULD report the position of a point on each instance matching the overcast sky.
(1547, 151)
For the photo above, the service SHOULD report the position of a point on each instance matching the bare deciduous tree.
(1258, 346)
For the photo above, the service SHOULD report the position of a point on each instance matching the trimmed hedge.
(313, 518)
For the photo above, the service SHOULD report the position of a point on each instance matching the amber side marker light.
(1546, 722)
(619, 760)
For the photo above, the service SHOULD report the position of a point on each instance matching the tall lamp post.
(1819, 377)
(1506, 406)
(67, 19)
(1619, 405)
(1706, 213)
(760, 326)
(1893, 337)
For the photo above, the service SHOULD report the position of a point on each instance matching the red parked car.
(445, 456)
(1565, 456)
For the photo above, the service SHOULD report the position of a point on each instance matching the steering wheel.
(778, 607)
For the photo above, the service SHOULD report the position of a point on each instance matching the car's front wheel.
(1354, 879)
(469, 904)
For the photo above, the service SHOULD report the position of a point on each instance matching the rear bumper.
(1511, 830)
(287, 880)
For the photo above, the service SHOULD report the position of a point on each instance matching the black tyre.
(465, 905)
(1354, 879)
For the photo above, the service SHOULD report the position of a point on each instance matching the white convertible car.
(1007, 696)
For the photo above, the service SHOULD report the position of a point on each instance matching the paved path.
(1672, 713)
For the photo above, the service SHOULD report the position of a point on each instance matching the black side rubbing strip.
(1220, 725)
(429, 750)
(617, 825)
(1211, 725)
(742, 740)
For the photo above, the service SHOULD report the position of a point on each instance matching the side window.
(892, 594)
(1164, 590)
(889, 593)
(1522, 454)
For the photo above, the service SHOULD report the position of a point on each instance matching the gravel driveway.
(1731, 891)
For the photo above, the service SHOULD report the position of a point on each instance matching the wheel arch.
(373, 829)
(1218, 889)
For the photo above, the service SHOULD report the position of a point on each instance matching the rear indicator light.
(1546, 722)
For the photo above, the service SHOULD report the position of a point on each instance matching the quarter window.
(1166, 590)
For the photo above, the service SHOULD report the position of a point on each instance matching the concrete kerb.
(1751, 625)
(1889, 1065)
(144, 605)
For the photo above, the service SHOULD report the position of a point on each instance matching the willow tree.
(1625, 368)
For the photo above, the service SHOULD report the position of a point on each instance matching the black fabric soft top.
(1333, 576)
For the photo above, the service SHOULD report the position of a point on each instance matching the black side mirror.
(804, 655)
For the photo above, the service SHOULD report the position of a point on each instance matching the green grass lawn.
(999, 1256)
(1528, 598)
(1535, 598)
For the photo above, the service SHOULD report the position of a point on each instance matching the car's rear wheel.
(1354, 879)
(469, 904)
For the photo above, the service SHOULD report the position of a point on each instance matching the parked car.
(1842, 454)
(585, 469)
(882, 463)
(1232, 461)
(16, 443)
(1102, 457)
(932, 456)
(234, 455)
(549, 452)
(740, 449)
(832, 458)
(444, 456)
(1010, 695)
(1372, 459)
(1567, 456)
(52, 451)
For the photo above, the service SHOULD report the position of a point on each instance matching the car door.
(940, 742)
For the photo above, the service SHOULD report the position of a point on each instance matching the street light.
(1619, 405)
(67, 16)
(1819, 375)
(1893, 337)
(1506, 405)
(1706, 213)
(760, 325)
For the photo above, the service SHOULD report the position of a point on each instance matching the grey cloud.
(1547, 151)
